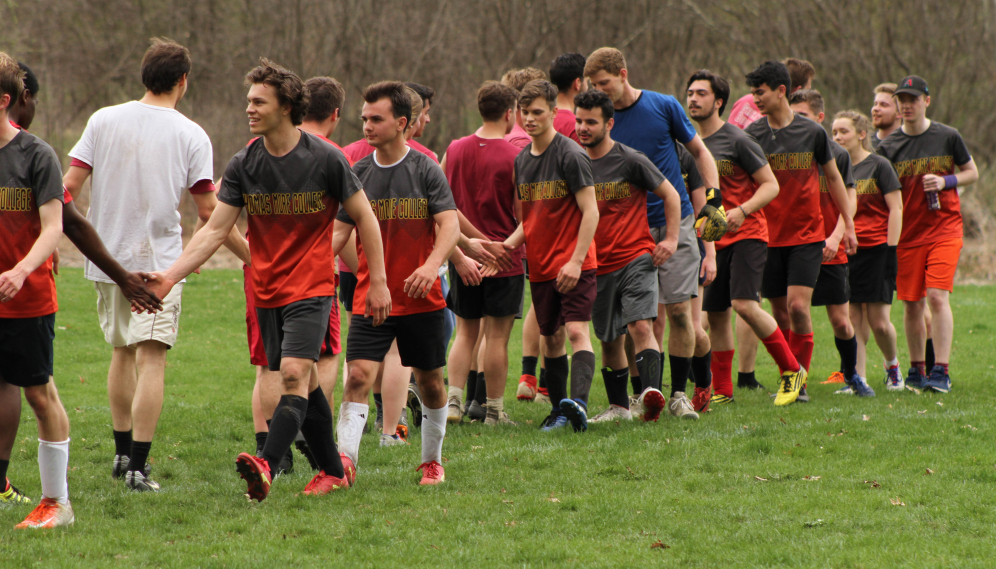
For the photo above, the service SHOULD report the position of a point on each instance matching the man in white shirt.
(142, 155)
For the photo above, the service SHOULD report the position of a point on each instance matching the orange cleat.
(48, 514)
(256, 472)
(323, 483)
(432, 473)
(835, 377)
(349, 468)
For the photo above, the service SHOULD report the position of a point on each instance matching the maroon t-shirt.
(564, 123)
(481, 173)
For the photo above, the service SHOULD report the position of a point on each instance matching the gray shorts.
(294, 331)
(624, 296)
(678, 277)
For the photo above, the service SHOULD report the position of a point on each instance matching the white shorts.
(122, 327)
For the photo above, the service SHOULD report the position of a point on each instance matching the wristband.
(743, 211)
(950, 181)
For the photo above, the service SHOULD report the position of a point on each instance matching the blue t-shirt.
(651, 125)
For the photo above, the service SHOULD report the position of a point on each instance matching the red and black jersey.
(831, 215)
(738, 157)
(874, 177)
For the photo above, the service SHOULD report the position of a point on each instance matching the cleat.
(496, 417)
(120, 466)
(432, 473)
(542, 396)
(349, 468)
(790, 386)
(48, 514)
(415, 404)
(720, 399)
(701, 399)
(476, 412)
(575, 412)
(846, 390)
(681, 407)
(11, 495)
(323, 483)
(527, 388)
(835, 377)
(915, 379)
(454, 412)
(894, 379)
(401, 432)
(140, 482)
(303, 448)
(651, 402)
(553, 421)
(860, 387)
(803, 395)
(938, 381)
(635, 407)
(748, 384)
(256, 472)
(613, 413)
(392, 440)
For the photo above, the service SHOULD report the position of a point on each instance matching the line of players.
(590, 255)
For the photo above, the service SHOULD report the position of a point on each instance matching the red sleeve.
(202, 187)
(80, 164)
(66, 196)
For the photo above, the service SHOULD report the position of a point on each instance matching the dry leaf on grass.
(659, 545)
(929, 471)
(865, 418)
(874, 483)
(811, 478)
(941, 403)
(924, 412)
(782, 419)
(897, 502)
(760, 479)
(970, 427)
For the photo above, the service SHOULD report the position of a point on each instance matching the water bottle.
(933, 201)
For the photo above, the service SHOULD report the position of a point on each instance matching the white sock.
(352, 417)
(456, 392)
(53, 461)
(498, 404)
(433, 432)
(894, 362)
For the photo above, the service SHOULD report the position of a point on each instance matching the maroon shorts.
(331, 345)
(554, 308)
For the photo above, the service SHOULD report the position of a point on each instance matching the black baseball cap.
(913, 85)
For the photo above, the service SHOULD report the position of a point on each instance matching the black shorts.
(739, 269)
(495, 296)
(872, 274)
(347, 286)
(420, 339)
(795, 265)
(832, 286)
(554, 308)
(26, 354)
(297, 330)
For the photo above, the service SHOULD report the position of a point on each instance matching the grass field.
(900, 480)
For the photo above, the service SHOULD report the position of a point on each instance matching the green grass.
(516, 497)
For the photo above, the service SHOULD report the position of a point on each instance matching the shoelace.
(44, 510)
(430, 469)
(786, 383)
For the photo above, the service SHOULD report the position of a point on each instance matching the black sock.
(3, 474)
(636, 381)
(848, 350)
(318, 430)
(286, 423)
(679, 373)
(378, 401)
(470, 392)
(556, 379)
(139, 455)
(648, 362)
(482, 389)
(529, 365)
(582, 372)
(122, 442)
(260, 442)
(701, 372)
(615, 386)
(542, 377)
(745, 378)
(930, 355)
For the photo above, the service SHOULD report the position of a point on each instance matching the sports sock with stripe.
(284, 426)
(680, 367)
(352, 418)
(557, 370)
(615, 386)
(139, 455)
(319, 432)
(780, 351)
(582, 372)
(848, 350)
(648, 363)
(433, 433)
(920, 366)
(53, 460)
(722, 372)
(700, 370)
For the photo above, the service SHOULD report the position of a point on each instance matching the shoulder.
(363, 164)
(757, 127)
(839, 152)
(945, 131)
(35, 147)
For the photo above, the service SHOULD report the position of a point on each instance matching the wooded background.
(87, 54)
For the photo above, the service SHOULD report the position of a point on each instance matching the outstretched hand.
(158, 284)
(139, 294)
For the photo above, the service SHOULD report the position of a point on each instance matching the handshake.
(482, 258)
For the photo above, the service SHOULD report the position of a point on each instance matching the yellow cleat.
(791, 383)
(12, 495)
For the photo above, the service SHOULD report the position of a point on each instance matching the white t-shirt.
(143, 158)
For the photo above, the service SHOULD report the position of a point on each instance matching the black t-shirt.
(291, 201)
(689, 171)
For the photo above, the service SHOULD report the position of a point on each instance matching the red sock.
(780, 352)
(920, 366)
(939, 364)
(722, 372)
(802, 348)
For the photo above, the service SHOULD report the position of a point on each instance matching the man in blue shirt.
(651, 123)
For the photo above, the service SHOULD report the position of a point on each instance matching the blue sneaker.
(938, 381)
(860, 387)
(576, 413)
(846, 390)
(915, 379)
(553, 422)
(894, 379)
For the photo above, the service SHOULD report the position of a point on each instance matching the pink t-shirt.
(744, 112)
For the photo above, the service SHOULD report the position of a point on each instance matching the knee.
(37, 398)
(938, 299)
(798, 308)
(680, 317)
(640, 330)
(880, 326)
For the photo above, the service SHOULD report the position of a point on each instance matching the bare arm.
(846, 202)
(967, 175)
(704, 161)
(234, 241)
(767, 190)
(378, 306)
(672, 216)
(11, 281)
(569, 274)
(708, 269)
(419, 283)
(74, 179)
(344, 245)
(894, 201)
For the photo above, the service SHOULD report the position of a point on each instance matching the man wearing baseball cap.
(932, 161)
